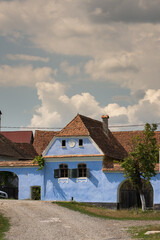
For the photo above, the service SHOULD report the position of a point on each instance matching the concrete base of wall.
(156, 207)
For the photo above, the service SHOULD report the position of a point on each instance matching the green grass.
(133, 214)
(139, 232)
(4, 226)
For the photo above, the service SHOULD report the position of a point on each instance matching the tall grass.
(4, 226)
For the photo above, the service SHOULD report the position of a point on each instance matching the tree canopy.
(141, 161)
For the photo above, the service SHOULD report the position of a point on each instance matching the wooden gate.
(129, 196)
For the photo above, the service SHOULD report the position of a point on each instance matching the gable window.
(81, 142)
(63, 143)
(62, 171)
(80, 171)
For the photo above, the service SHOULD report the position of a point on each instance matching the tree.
(141, 161)
(40, 161)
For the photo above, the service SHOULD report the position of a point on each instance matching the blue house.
(81, 164)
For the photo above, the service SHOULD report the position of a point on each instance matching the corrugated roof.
(19, 136)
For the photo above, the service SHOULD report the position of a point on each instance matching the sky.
(92, 57)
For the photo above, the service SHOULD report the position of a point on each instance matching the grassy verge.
(139, 232)
(4, 226)
(134, 214)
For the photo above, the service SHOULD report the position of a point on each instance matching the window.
(63, 143)
(80, 171)
(81, 142)
(62, 171)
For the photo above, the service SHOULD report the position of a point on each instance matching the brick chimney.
(105, 123)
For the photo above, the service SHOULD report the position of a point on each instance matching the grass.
(4, 226)
(133, 214)
(139, 232)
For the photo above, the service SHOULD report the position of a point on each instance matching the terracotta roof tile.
(42, 139)
(125, 138)
(115, 167)
(85, 126)
(75, 128)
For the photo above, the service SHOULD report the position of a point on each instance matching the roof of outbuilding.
(42, 139)
(125, 138)
(19, 136)
(8, 148)
(23, 151)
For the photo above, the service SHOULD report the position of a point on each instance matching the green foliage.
(40, 161)
(139, 232)
(4, 226)
(95, 211)
(140, 164)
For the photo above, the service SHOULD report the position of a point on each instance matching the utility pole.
(0, 119)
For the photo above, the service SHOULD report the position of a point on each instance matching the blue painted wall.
(27, 177)
(57, 149)
(99, 187)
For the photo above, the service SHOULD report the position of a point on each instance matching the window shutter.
(56, 173)
(88, 172)
(69, 173)
(74, 173)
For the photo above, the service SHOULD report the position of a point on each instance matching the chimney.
(0, 119)
(105, 123)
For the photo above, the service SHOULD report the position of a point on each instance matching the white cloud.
(57, 109)
(24, 75)
(26, 57)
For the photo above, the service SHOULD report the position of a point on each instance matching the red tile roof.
(19, 136)
(116, 167)
(125, 138)
(42, 139)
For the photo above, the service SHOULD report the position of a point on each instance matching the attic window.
(63, 143)
(81, 142)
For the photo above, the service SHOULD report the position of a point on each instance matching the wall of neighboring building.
(27, 177)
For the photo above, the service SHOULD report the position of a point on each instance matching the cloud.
(24, 75)
(128, 11)
(119, 37)
(70, 70)
(26, 57)
(57, 109)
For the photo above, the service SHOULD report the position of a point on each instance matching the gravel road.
(41, 220)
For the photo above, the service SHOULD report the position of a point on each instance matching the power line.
(58, 128)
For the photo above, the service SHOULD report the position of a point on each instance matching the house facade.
(81, 164)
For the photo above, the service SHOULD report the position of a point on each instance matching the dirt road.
(39, 220)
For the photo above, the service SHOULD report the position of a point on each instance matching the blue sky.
(60, 58)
